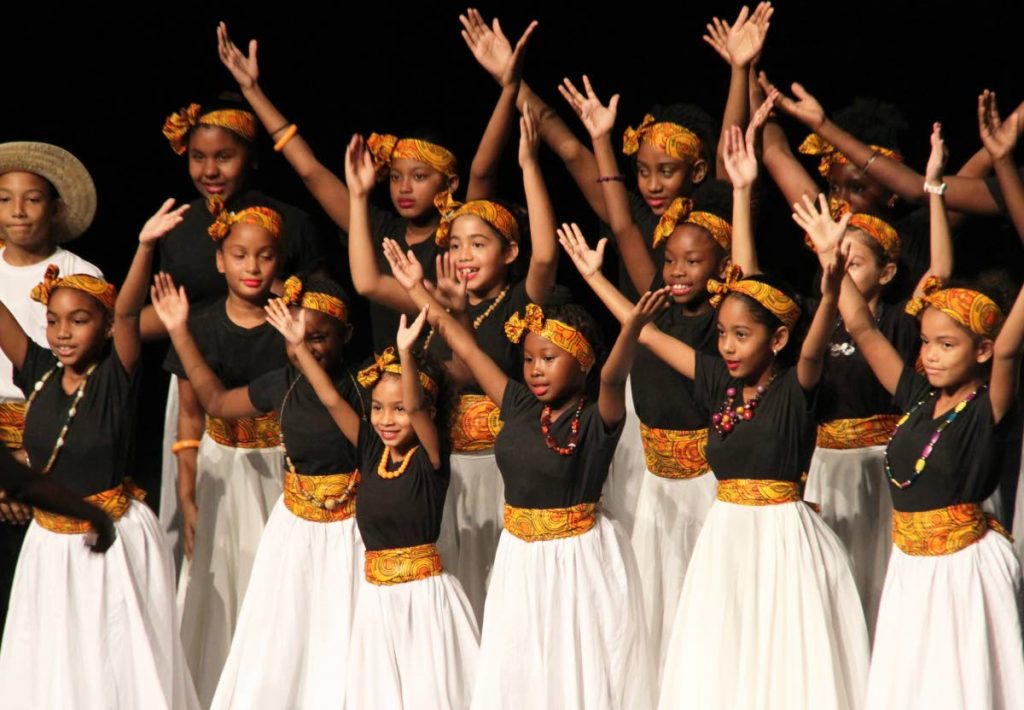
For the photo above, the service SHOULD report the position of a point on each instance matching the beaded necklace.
(545, 429)
(382, 467)
(930, 446)
(726, 418)
(478, 321)
(72, 410)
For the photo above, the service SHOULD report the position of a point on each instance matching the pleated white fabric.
(669, 517)
(949, 631)
(235, 492)
(1018, 518)
(852, 489)
(290, 648)
(414, 646)
(769, 616)
(471, 524)
(170, 516)
(95, 631)
(564, 626)
(621, 490)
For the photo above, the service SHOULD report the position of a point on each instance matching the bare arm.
(940, 235)
(190, 426)
(1006, 360)
(460, 339)
(418, 410)
(811, 363)
(786, 171)
(544, 255)
(882, 357)
(611, 401)
(1000, 140)
(13, 340)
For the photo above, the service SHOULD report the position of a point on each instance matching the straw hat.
(68, 175)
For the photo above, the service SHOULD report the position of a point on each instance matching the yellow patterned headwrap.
(830, 157)
(782, 306)
(384, 148)
(295, 294)
(971, 309)
(681, 210)
(561, 334)
(879, 230)
(264, 217)
(491, 212)
(670, 138)
(99, 289)
(178, 125)
(388, 361)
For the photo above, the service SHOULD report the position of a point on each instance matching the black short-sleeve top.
(398, 512)
(98, 446)
(236, 355)
(849, 388)
(536, 476)
(312, 439)
(189, 255)
(964, 466)
(776, 444)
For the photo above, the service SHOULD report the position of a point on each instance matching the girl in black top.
(310, 554)
(415, 639)
(85, 630)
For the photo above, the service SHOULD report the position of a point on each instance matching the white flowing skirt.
(170, 516)
(669, 516)
(290, 648)
(235, 492)
(1018, 516)
(621, 490)
(95, 631)
(472, 523)
(769, 616)
(414, 647)
(853, 491)
(949, 631)
(564, 626)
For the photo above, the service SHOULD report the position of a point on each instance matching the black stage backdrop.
(100, 83)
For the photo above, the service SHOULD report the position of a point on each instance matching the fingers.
(526, 37)
(589, 88)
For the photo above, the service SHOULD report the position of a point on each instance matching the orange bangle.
(288, 135)
(182, 444)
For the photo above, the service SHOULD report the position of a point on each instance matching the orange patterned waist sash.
(942, 531)
(307, 497)
(476, 424)
(754, 491)
(114, 502)
(538, 524)
(857, 433)
(262, 432)
(402, 564)
(12, 424)
(671, 453)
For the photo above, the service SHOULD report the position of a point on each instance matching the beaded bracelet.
(182, 444)
(283, 140)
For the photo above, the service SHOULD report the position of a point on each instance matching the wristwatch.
(939, 189)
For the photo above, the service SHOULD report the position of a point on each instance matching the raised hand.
(935, 169)
(825, 233)
(245, 69)
(597, 118)
(999, 137)
(451, 291)
(529, 137)
(647, 309)
(490, 46)
(170, 303)
(739, 158)
(290, 324)
(512, 72)
(405, 267)
(165, 219)
(805, 108)
(360, 175)
(587, 261)
(833, 269)
(407, 335)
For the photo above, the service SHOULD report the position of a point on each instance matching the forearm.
(417, 409)
(132, 296)
(13, 340)
(744, 251)
(544, 247)
(362, 256)
(190, 427)
(610, 296)
(207, 387)
(941, 238)
(737, 113)
(786, 171)
(812, 352)
(151, 328)
(484, 169)
(892, 174)
(43, 492)
(1013, 192)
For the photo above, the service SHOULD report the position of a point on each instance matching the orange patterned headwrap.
(681, 210)
(264, 217)
(971, 309)
(491, 212)
(670, 138)
(830, 157)
(561, 334)
(178, 125)
(388, 361)
(99, 289)
(782, 306)
(295, 294)
(384, 148)
(879, 230)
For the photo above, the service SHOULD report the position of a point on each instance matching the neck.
(17, 255)
(486, 294)
(873, 303)
(400, 454)
(243, 312)
(695, 308)
(421, 228)
(763, 378)
(569, 404)
(960, 392)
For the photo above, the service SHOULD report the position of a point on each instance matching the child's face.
(552, 374)
(862, 193)
(692, 257)
(661, 178)
(867, 274)
(218, 162)
(480, 254)
(413, 187)
(325, 337)
(28, 210)
(249, 258)
(77, 327)
(951, 355)
(388, 415)
(745, 343)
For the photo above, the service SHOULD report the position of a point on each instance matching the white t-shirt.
(16, 284)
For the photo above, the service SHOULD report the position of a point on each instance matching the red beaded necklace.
(545, 429)
(726, 418)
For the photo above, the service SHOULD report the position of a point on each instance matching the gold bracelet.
(288, 135)
(182, 444)
(874, 156)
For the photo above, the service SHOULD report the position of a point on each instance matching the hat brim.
(68, 175)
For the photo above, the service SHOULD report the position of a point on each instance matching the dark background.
(101, 83)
